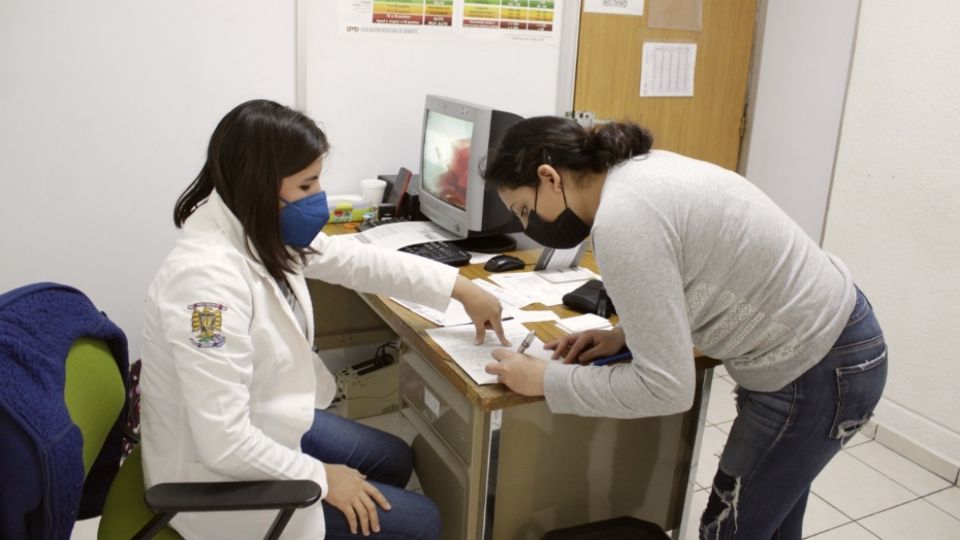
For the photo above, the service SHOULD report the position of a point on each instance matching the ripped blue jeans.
(781, 440)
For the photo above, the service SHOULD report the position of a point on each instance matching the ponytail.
(614, 142)
(563, 144)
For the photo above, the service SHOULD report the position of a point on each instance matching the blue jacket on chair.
(41, 459)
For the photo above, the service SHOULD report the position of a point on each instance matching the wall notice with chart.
(530, 20)
(365, 68)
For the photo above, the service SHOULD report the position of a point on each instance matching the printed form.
(457, 341)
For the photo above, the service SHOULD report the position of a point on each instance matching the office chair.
(94, 395)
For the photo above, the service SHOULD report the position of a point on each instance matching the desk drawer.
(438, 403)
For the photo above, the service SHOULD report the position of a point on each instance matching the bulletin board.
(366, 89)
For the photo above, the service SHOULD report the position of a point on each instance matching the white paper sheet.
(555, 259)
(511, 298)
(453, 316)
(588, 321)
(534, 286)
(534, 316)
(404, 233)
(480, 258)
(457, 341)
(564, 275)
(667, 69)
(614, 7)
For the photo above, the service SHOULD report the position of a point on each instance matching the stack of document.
(581, 323)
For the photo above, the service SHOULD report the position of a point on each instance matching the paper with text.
(457, 341)
(404, 233)
(453, 316)
(511, 298)
(563, 275)
(534, 286)
(667, 69)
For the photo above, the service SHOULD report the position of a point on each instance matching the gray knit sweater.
(694, 255)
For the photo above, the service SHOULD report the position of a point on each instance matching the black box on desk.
(409, 207)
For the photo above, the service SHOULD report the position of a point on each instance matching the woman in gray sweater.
(697, 260)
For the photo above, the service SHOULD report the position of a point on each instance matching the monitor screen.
(446, 158)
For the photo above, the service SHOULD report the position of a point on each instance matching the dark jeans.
(387, 461)
(781, 440)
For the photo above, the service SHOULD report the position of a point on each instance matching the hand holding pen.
(527, 340)
(522, 374)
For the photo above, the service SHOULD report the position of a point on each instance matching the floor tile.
(917, 453)
(856, 489)
(820, 516)
(722, 407)
(710, 448)
(907, 521)
(947, 500)
(725, 426)
(898, 468)
(846, 532)
(85, 529)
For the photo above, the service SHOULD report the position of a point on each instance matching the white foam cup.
(371, 190)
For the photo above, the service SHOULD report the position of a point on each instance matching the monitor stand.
(497, 243)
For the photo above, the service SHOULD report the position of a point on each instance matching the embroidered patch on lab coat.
(206, 323)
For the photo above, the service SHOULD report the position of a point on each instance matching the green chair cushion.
(125, 512)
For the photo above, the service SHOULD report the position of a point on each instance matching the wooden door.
(707, 126)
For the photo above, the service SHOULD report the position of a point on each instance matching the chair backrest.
(94, 393)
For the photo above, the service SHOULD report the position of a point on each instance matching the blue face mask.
(302, 220)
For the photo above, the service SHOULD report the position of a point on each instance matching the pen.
(526, 342)
(613, 358)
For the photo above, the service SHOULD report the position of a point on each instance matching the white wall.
(106, 108)
(799, 81)
(893, 214)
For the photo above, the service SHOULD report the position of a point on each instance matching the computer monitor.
(456, 136)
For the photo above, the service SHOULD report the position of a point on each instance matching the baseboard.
(914, 451)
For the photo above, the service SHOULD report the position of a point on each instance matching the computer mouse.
(503, 263)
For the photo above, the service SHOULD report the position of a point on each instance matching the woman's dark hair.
(252, 149)
(563, 144)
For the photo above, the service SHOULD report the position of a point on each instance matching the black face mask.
(565, 232)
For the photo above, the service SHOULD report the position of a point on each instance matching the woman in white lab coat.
(231, 387)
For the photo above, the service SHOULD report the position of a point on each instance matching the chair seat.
(125, 511)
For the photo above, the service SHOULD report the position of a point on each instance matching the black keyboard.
(444, 252)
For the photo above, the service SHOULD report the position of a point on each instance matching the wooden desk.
(500, 465)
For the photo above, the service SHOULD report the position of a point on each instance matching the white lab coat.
(230, 381)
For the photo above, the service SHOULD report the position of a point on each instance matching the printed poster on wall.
(614, 7)
(512, 20)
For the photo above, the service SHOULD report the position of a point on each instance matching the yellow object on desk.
(344, 211)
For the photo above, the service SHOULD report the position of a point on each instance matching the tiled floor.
(866, 492)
